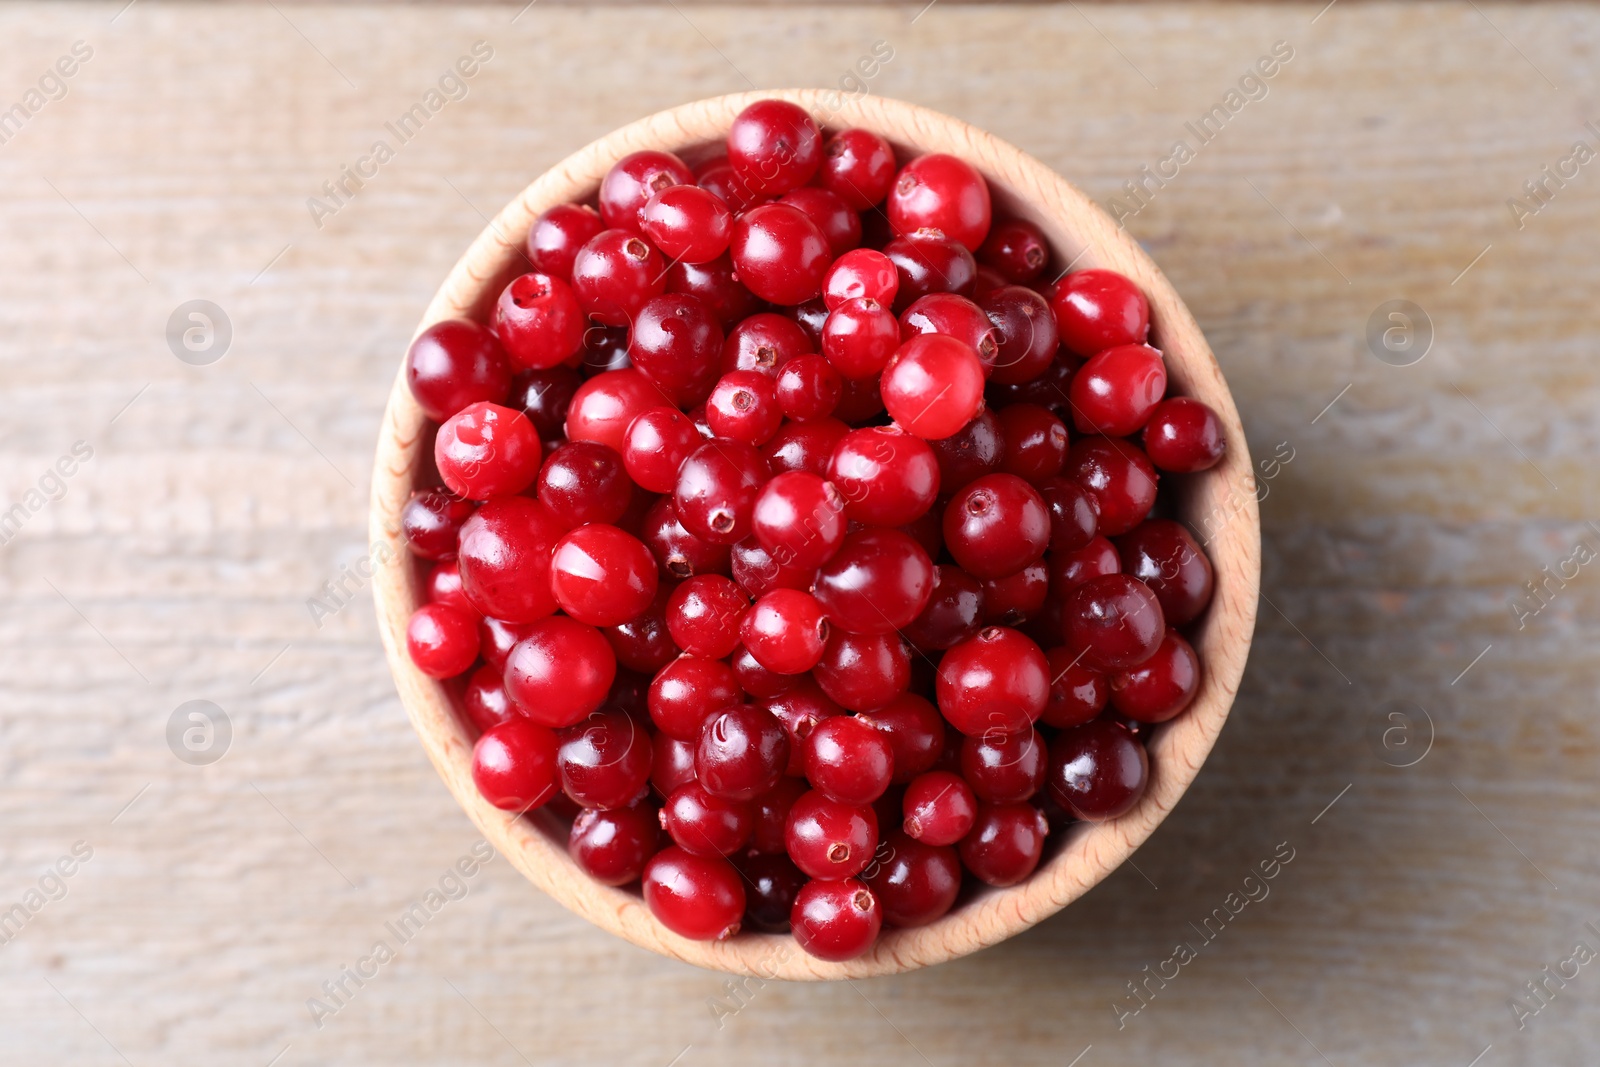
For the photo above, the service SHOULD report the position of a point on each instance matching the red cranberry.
(998, 680)
(655, 445)
(1099, 309)
(1005, 843)
(1074, 514)
(763, 342)
(716, 286)
(933, 385)
(431, 522)
(810, 317)
(671, 764)
(612, 847)
(1027, 341)
(1036, 443)
(584, 481)
(741, 753)
(970, 453)
(1184, 436)
(996, 526)
(859, 337)
(604, 760)
(633, 180)
(878, 581)
(858, 167)
(941, 192)
(704, 613)
(1068, 570)
(505, 559)
(1160, 687)
(442, 640)
(772, 884)
(644, 643)
(604, 348)
(754, 568)
(774, 146)
(917, 883)
(772, 813)
(808, 388)
(556, 236)
(1017, 249)
(496, 639)
(780, 254)
(1048, 390)
(860, 273)
(836, 920)
(831, 840)
(1098, 771)
(1116, 620)
(679, 553)
(1115, 392)
(1164, 556)
(717, 489)
(604, 405)
(687, 692)
(785, 631)
(887, 477)
(560, 672)
(1004, 768)
(839, 225)
(443, 586)
(1016, 597)
(953, 316)
(538, 320)
(676, 342)
(602, 576)
(939, 807)
(687, 223)
(987, 281)
(718, 177)
(514, 765)
(544, 396)
(805, 446)
(743, 405)
(954, 611)
(863, 672)
(455, 363)
(486, 450)
(614, 274)
(848, 761)
(859, 401)
(1118, 475)
(698, 897)
(915, 731)
(929, 262)
(799, 708)
(485, 699)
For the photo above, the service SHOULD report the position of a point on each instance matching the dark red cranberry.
(485, 699)
(644, 643)
(544, 396)
(808, 388)
(1074, 514)
(754, 568)
(939, 808)
(604, 348)
(799, 708)
(1078, 694)
(556, 236)
(848, 761)
(1115, 392)
(718, 177)
(1098, 771)
(443, 586)
(1027, 339)
(887, 477)
(1017, 249)
(810, 316)
(703, 615)
(743, 405)
(941, 192)
(805, 446)
(831, 840)
(455, 363)
(560, 672)
(763, 342)
(677, 344)
(613, 846)
(1116, 620)
(857, 166)
(840, 225)
(1068, 570)
(1018, 596)
(505, 559)
(633, 180)
(1036, 443)
(970, 453)
(859, 401)
(917, 882)
(604, 405)
(431, 522)
(785, 631)
(998, 680)
(1004, 768)
(741, 753)
(863, 672)
(929, 262)
(687, 692)
(1118, 475)
(614, 274)
(1165, 556)
(538, 320)
(996, 525)
(933, 385)
(1160, 687)
(687, 223)
(1048, 390)
(1005, 843)
(716, 286)
(496, 639)
(679, 553)
(774, 146)
(1099, 309)
(915, 731)
(859, 337)
(780, 254)
(514, 765)
(486, 450)
(860, 273)
(717, 489)
(698, 897)
(604, 760)
(878, 581)
(772, 884)
(583, 482)
(655, 446)
(988, 281)
(953, 316)
(836, 920)
(442, 640)
(954, 611)
(672, 763)
(1184, 436)
(772, 813)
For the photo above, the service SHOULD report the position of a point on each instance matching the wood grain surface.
(215, 901)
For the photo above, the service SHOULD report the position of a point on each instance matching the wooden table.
(177, 563)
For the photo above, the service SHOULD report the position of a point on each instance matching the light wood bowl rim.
(1220, 505)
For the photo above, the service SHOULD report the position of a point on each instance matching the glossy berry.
(677, 343)
(1120, 478)
(614, 274)
(1160, 687)
(604, 760)
(917, 882)
(443, 586)
(765, 343)
(505, 559)
(556, 236)
(1099, 309)
(859, 401)
(1004, 768)
(830, 840)
(1166, 557)
(858, 167)
(1115, 620)
(716, 286)
(671, 763)
(997, 680)
(1017, 249)
(772, 882)
(741, 753)
(887, 477)
(698, 897)
(743, 405)
(953, 316)
(679, 553)
(643, 643)
(496, 639)
(1026, 334)
(1016, 597)
(431, 522)
(772, 813)
(1098, 771)
(633, 180)
(859, 337)
(926, 262)
(805, 446)
(939, 807)
(1005, 843)
(703, 615)
(485, 700)
(878, 581)
(687, 223)
(978, 448)
(584, 481)
(808, 388)
(809, 316)
(1115, 392)
(442, 640)
(861, 273)
(1068, 570)
(755, 568)
(774, 146)
(848, 761)
(780, 254)
(1074, 513)
(486, 450)
(836, 920)
(602, 575)
(954, 611)
(941, 192)
(544, 396)
(786, 631)
(687, 692)
(455, 363)
(839, 225)
(933, 385)
(799, 708)
(915, 731)
(1036, 443)
(613, 846)
(1184, 436)
(538, 320)
(560, 672)
(863, 672)
(605, 405)
(704, 824)
(514, 765)
(655, 445)
(996, 526)
(717, 489)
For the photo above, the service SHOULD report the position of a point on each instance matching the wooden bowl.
(1218, 505)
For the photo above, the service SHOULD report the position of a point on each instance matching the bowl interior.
(1219, 506)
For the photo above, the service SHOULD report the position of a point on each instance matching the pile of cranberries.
(797, 537)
